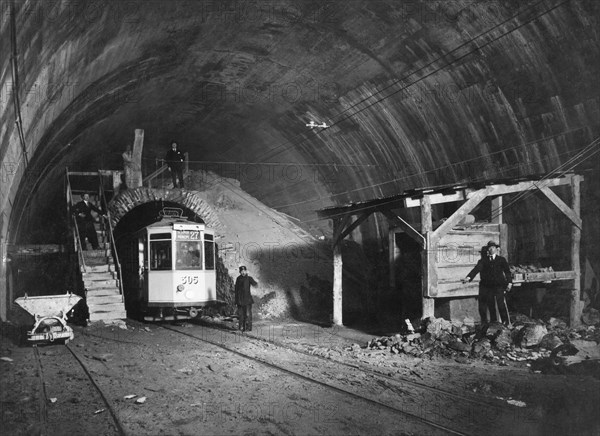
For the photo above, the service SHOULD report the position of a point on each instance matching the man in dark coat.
(243, 299)
(85, 221)
(496, 280)
(174, 160)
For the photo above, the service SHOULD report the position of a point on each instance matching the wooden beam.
(427, 304)
(525, 186)
(338, 266)
(348, 229)
(503, 241)
(150, 177)
(408, 229)
(576, 306)
(497, 210)
(561, 205)
(393, 253)
(457, 216)
(366, 206)
(339, 224)
(83, 173)
(33, 249)
(460, 193)
(436, 198)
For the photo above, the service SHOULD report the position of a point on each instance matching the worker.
(82, 211)
(496, 280)
(243, 299)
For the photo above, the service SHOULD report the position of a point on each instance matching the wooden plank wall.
(457, 253)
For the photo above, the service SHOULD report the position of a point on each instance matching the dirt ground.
(145, 379)
(193, 387)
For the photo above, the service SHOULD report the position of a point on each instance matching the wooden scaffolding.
(440, 276)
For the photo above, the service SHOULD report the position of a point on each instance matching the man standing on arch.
(174, 160)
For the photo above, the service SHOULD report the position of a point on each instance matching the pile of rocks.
(526, 340)
(522, 269)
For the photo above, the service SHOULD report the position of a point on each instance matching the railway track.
(463, 396)
(449, 412)
(56, 366)
(416, 404)
(475, 400)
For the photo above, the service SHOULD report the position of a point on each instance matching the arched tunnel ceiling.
(416, 92)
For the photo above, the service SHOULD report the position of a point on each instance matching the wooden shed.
(451, 248)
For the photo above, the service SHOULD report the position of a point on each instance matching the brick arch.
(125, 201)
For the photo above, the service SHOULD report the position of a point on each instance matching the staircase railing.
(113, 245)
(147, 181)
(75, 229)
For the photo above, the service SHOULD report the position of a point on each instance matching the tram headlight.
(180, 288)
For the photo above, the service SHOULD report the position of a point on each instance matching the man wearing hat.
(243, 299)
(175, 159)
(82, 211)
(496, 280)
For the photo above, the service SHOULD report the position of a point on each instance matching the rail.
(150, 177)
(113, 245)
(147, 181)
(75, 230)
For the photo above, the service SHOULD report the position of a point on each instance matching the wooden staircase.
(104, 299)
(99, 274)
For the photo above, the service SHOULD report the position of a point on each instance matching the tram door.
(142, 249)
(161, 263)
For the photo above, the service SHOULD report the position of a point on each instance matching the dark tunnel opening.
(146, 214)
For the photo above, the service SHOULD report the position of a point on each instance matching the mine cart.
(50, 314)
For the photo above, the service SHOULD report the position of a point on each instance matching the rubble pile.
(526, 340)
(523, 269)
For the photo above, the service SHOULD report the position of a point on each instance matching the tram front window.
(188, 255)
(160, 255)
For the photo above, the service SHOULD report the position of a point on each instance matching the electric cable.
(271, 153)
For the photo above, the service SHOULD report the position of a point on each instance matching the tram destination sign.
(188, 235)
(171, 212)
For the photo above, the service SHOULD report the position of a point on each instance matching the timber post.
(428, 304)
(575, 307)
(338, 268)
(393, 254)
(132, 161)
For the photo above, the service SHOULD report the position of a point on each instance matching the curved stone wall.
(126, 200)
(416, 93)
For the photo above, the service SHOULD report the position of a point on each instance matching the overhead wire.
(553, 171)
(448, 63)
(464, 44)
(456, 59)
(519, 196)
(571, 164)
(455, 164)
(567, 164)
(595, 142)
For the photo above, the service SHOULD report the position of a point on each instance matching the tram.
(169, 268)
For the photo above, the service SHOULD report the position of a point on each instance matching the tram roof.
(168, 221)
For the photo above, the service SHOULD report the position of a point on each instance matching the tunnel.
(308, 104)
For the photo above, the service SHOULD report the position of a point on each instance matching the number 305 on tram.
(170, 270)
